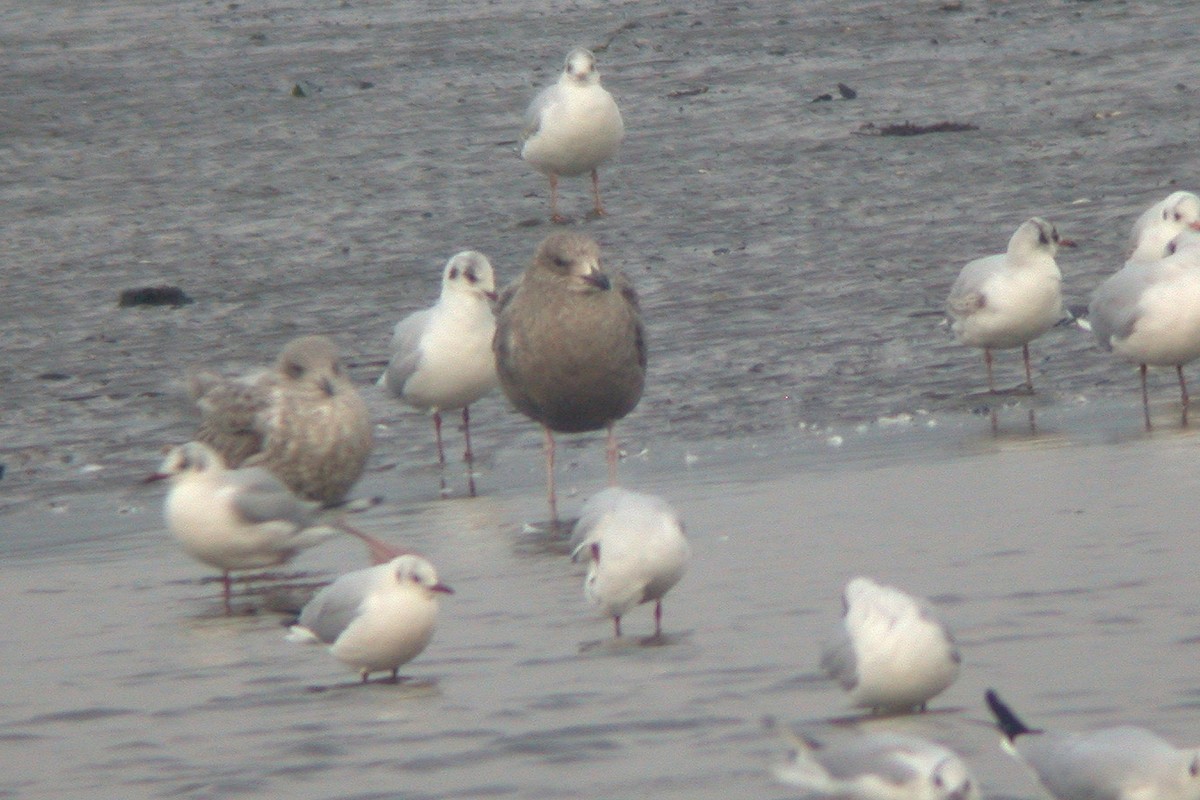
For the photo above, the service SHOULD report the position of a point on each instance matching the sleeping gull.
(235, 519)
(892, 653)
(877, 766)
(375, 619)
(1149, 311)
(304, 420)
(1121, 763)
(1008, 300)
(442, 356)
(570, 346)
(572, 127)
(635, 548)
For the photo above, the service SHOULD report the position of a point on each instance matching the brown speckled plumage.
(303, 420)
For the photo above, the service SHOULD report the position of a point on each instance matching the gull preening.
(572, 127)
(375, 619)
(303, 420)
(1007, 300)
(635, 548)
(442, 356)
(234, 519)
(1148, 313)
(1121, 763)
(876, 766)
(892, 652)
(570, 345)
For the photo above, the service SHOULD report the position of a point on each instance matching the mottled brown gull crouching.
(303, 420)
(570, 345)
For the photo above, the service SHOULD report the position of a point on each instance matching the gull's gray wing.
(333, 608)
(533, 114)
(406, 351)
(839, 662)
(261, 497)
(1113, 309)
(884, 755)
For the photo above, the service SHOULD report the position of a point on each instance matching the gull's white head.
(412, 570)
(312, 361)
(951, 780)
(580, 67)
(470, 271)
(1036, 235)
(189, 458)
(1162, 222)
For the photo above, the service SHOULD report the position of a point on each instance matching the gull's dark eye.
(1042, 237)
(471, 277)
(453, 273)
(1194, 767)
(561, 262)
(293, 370)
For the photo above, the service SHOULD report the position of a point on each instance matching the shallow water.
(804, 410)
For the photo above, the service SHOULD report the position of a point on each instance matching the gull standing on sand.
(304, 420)
(572, 127)
(375, 619)
(877, 766)
(893, 653)
(570, 346)
(1148, 313)
(235, 519)
(1008, 300)
(1122, 763)
(636, 551)
(442, 356)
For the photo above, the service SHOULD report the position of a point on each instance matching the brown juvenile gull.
(442, 356)
(304, 420)
(570, 345)
(572, 127)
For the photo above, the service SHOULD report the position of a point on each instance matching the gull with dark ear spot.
(877, 765)
(233, 520)
(572, 127)
(570, 345)
(375, 619)
(303, 420)
(1121, 763)
(636, 552)
(1008, 300)
(892, 652)
(442, 356)
(1148, 312)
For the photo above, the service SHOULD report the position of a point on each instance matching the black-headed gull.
(635, 548)
(892, 652)
(234, 519)
(877, 766)
(442, 356)
(570, 345)
(1148, 313)
(303, 420)
(572, 127)
(1007, 300)
(1121, 763)
(375, 619)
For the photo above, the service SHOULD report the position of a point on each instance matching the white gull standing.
(892, 652)
(303, 420)
(572, 127)
(1148, 313)
(877, 766)
(635, 548)
(1007, 300)
(375, 619)
(236, 519)
(1121, 763)
(442, 356)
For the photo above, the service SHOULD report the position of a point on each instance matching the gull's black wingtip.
(1010, 724)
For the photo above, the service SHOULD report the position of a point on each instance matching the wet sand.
(804, 410)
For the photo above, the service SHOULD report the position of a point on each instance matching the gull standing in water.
(635, 548)
(1122, 763)
(570, 345)
(893, 653)
(1008, 300)
(877, 766)
(572, 127)
(375, 619)
(442, 356)
(1149, 311)
(234, 519)
(304, 420)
